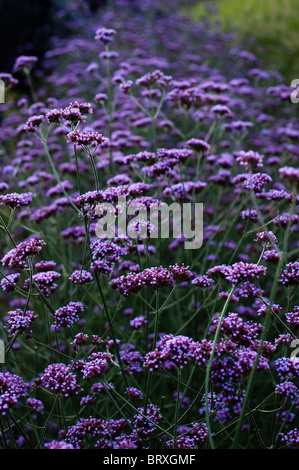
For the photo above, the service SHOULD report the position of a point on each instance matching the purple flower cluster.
(192, 439)
(9, 282)
(58, 445)
(105, 253)
(138, 322)
(155, 278)
(292, 318)
(74, 113)
(81, 277)
(97, 364)
(174, 349)
(290, 275)
(12, 388)
(133, 392)
(244, 271)
(24, 62)
(85, 139)
(105, 35)
(19, 321)
(14, 200)
(59, 379)
(291, 437)
(16, 257)
(250, 160)
(238, 272)
(45, 281)
(65, 316)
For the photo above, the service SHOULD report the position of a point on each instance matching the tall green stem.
(208, 372)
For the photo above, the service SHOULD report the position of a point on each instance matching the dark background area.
(26, 26)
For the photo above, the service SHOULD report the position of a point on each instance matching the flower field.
(143, 339)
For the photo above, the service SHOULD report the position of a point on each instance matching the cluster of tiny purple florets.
(66, 316)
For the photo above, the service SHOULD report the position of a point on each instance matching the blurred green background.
(269, 28)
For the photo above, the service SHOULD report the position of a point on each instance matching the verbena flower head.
(105, 35)
(79, 340)
(14, 200)
(81, 277)
(287, 367)
(267, 238)
(133, 392)
(43, 266)
(192, 439)
(290, 173)
(287, 390)
(33, 123)
(74, 113)
(133, 282)
(8, 284)
(243, 271)
(19, 321)
(198, 145)
(138, 322)
(202, 281)
(290, 275)
(45, 281)
(105, 253)
(66, 316)
(291, 437)
(58, 445)
(292, 318)
(96, 366)
(143, 427)
(154, 78)
(35, 404)
(24, 62)
(85, 139)
(8, 78)
(249, 290)
(257, 181)
(250, 160)
(16, 257)
(180, 273)
(59, 379)
(170, 348)
(12, 388)
(241, 332)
